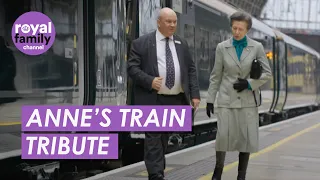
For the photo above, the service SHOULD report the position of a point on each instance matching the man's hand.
(156, 83)
(195, 103)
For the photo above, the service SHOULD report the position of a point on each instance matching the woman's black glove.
(209, 109)
(240, 85)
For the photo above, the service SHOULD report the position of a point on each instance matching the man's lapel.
(153, 52)
(179, 49)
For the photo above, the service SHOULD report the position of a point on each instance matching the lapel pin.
(178, 42)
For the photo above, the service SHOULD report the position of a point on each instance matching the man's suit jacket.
(228, 69)
(142, 68)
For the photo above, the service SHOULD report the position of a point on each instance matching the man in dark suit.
(163, 73)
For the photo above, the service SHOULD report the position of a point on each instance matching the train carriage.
(298, 74)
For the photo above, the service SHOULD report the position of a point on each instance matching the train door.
(281, 90)
(141, 18)
(317, 78)
(54, 77)
(109, 52)
(131, 33)
(273, 60)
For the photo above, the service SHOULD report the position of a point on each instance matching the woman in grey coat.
(238, 97)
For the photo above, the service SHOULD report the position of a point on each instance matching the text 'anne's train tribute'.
(102, 119)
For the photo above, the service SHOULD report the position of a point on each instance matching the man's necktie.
(170, 66)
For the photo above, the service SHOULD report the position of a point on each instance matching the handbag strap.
(255, 99)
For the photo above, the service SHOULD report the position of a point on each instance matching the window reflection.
(282, 73)
(50, 78)
(202, 53)
(189, 37)
(110, 52)
(301, 82)
(148, 14)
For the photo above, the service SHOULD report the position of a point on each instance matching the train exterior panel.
(298, 64)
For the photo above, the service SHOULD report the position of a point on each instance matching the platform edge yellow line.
(263, 151)
(9, 123)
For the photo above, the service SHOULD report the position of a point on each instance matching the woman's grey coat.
(238, 119)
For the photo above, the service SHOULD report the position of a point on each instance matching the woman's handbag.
(256, 69)
(255, 73)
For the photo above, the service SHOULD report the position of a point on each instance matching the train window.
(224, 35)
(132, 31)
(202, 56)
(129, 7)
(263, 38)
(132, 18)
(109, 41)
(214, 41)
(148, 14)
(189, 36)
(165, 3)
(50, 78)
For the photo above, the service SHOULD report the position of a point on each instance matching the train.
(87, 62)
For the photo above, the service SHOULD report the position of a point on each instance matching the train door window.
(202, 51)
(189, 36)
(49, 78)
(132, 31)
(214, 41)
(148, 14)
(282, 73)
(110, 50)
(317, 78)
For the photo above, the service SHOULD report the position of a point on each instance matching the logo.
(33, 33)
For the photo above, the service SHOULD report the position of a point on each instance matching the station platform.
(288, 150)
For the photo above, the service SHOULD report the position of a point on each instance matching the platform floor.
(297, 159)
(288, 150)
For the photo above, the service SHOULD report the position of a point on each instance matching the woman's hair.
(241, 16)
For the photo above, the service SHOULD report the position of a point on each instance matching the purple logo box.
(69, 146)
(107, 118)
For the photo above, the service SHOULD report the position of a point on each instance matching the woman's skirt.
(238, 129)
